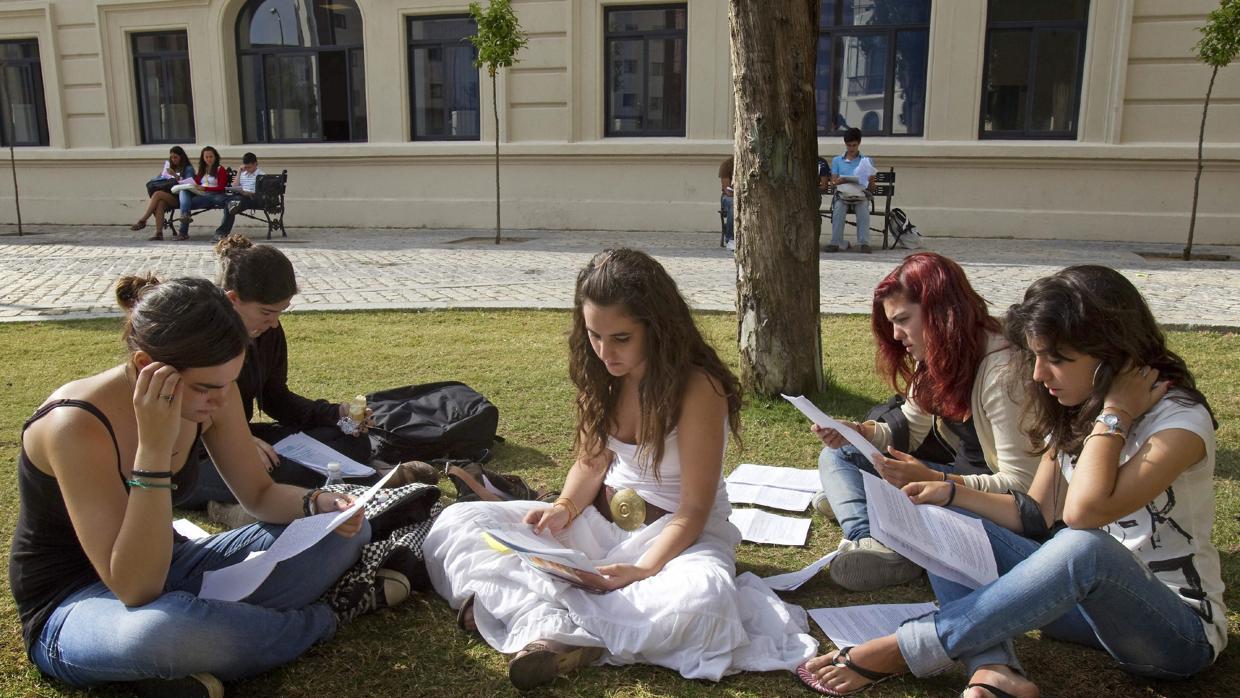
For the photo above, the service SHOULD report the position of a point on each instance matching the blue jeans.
(839, 209)
(726, 203)
(192, 201)
(840, 472)
(93, 638)
(1080, 586)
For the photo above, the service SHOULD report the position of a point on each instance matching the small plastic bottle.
(357, 409)
(333, 474)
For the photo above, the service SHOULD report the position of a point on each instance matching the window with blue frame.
(165, 100)
(871, 66)
(443, 81)
(644, 47)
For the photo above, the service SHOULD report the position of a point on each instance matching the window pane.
(881, 12)
(305, 23)
(908, 105)
(357, 94)
(444, 29)
(14, 50)
(334, 83)
(1054, 87)
(292, 84)
(822, 88)
(665, 110)
(1007, 77)
(1027, 11)
(645, 20)
(627, 99)
(861, 84)
(179, 115)
(164, 42)
(427, 77)
(23, 116)
(252, 106)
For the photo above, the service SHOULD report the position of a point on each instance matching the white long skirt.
(694, 616)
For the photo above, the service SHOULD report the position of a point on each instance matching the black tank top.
(47, 562)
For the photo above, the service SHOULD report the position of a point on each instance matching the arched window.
(301, 70)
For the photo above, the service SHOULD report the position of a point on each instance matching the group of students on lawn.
(204, 188)
(1088, 453)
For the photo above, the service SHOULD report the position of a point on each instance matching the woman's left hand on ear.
(901, 468)
(1135, 390)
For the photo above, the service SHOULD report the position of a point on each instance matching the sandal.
(842, 660)
(995, 691)
(465, 616)
(138, 226)
(156, 236)
(541, 661)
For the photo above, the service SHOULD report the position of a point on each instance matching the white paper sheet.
(849, 626)
(790, 581)
(189, 529)
(761, 527)
(315, 454)
(942, 541)
(238, 581)
(820, 418)
(799, 479)
(774, 497)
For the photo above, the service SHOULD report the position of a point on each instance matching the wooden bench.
(884, 188)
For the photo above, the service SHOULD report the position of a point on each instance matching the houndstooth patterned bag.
(399, 523)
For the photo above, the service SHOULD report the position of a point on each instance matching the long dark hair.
(955, 323)
(1092, 310)
(186, 322)
(635, 282)
(202, 162)
(180, 153)
(256, 273)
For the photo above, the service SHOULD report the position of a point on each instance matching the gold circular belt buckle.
(628, 509)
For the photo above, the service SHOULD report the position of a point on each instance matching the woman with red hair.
(940, 348)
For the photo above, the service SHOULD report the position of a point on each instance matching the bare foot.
(880, 656)
(1003, 678)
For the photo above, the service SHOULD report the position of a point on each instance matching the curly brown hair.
(639, 285)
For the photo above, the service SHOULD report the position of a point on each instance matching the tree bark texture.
(1201, 138)
(774, 45)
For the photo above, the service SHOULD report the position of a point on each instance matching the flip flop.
(842, 660)
(156, 236)
(995, 691)
(138, 226)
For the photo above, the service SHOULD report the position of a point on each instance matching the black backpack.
(903, 232)
(432, 421)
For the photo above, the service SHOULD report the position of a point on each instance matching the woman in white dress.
(654, 406)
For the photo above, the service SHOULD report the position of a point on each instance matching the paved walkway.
(59, 272)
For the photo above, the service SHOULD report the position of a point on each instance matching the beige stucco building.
(585, 140)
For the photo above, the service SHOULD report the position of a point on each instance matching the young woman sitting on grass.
(654, 407)
(260, 283)
(1111, 547)
(106, 590)
(939, 346)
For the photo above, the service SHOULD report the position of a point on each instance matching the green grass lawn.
(518, 360)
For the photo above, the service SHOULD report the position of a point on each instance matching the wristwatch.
(1112, 422)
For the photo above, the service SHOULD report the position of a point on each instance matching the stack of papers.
(790, 489)
(761, 527)
(315, 455)
(849, 626)
(790, 581)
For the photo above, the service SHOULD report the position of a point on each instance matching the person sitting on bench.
(211, 179)
(851, 193)
(241, 195)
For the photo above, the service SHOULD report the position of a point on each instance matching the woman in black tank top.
(106, 591)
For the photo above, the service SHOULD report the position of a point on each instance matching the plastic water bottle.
(333, 474)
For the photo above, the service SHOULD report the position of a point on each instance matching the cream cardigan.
(997, 406)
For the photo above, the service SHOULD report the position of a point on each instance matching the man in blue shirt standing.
(845, 172)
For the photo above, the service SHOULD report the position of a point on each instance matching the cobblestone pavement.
(59, 272)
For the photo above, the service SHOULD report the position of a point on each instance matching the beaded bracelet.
(152, 473)
(151, 485)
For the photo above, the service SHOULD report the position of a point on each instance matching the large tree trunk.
(775, 174)
(1201, 139)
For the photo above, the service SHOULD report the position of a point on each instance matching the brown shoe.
(864, 249)
(541, 661)
(831, 248)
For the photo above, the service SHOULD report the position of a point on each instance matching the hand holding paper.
(820, 418)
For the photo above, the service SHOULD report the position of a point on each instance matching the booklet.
(849, 626)
(949, 544)
(820, 418)
(315, 455)
(547, 555)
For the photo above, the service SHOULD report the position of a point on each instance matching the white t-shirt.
(1171, 534)
(247, 180)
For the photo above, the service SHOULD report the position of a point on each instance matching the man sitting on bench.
(241, 195)
(850, 192)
